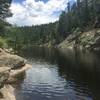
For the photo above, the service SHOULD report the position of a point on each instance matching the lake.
(60, 75)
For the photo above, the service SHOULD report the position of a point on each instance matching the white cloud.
(30, 12)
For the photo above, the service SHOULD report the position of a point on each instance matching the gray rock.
(89, 40)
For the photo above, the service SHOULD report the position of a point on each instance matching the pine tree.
(4, 8)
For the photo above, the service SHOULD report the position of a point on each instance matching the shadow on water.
(81, 70)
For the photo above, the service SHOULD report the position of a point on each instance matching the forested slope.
(79, 17)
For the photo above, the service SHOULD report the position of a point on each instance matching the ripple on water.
(43, 81)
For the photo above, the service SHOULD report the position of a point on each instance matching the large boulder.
(12, 61)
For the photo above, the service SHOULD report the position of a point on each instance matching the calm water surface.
(55, 75)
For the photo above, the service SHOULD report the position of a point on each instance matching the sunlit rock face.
(9, 62)
(11, 66)
(12, 61)
(4, 74)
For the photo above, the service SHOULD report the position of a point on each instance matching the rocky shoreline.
(11, 66)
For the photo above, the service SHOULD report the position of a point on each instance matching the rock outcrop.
(12, 61)
(83, 40)
(7, 93)
(10, 66)
(4, 75)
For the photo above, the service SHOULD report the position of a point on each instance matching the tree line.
(82, 14)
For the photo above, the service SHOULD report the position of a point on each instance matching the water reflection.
(60, 75)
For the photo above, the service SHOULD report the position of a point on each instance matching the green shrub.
(3, 43)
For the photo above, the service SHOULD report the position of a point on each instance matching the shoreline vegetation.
(11, 67)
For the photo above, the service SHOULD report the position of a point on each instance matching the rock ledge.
(10, 67)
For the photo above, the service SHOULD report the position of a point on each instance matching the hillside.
(84, 40)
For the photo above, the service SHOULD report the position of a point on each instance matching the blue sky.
(36, 12)
(20, 1)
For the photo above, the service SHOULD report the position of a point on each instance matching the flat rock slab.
(14, 74)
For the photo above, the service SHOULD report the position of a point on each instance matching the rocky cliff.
(83, 40)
